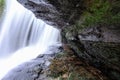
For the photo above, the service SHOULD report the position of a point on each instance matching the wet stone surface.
(45, 11)
(34, 69)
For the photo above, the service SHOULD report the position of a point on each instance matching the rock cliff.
(90, 28)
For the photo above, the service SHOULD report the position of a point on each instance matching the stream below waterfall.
(23, 37)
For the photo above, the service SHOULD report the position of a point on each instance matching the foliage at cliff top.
(100, 12)
(1, 6)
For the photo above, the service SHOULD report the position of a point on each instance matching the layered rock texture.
(97, 50)
(95, 41)
(45, 11)
(93, 32)
(90, 28)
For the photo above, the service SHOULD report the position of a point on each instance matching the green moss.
(98, 12)
(102, 12)
(95, 13)
(2, 2)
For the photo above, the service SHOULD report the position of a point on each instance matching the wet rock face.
(70, 9)
(45, 11)
(99, 46)
(29, 71)
(35, 69)
(93, 46)
(56, 12)
(32, 70)
(105, 56)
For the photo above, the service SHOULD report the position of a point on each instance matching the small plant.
(66, 66)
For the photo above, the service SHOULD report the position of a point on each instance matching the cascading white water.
(23, 37)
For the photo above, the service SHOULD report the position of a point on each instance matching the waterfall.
(23, 37)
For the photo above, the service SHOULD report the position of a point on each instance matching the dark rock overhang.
(45, 11)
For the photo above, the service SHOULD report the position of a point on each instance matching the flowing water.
(23, 37)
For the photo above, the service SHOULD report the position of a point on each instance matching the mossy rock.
(103, 55)
(106, 51)
(67, 66)
(2, 3)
